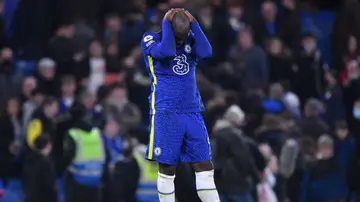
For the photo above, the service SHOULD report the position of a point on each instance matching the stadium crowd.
(282, 93)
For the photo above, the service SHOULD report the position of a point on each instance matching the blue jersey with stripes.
(173, 78)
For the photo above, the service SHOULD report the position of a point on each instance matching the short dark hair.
(49, 100)
(180, 25)
(68, 79)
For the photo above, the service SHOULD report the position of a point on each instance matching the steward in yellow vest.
(85, 151)
(147, 190)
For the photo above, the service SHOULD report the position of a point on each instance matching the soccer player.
(177, 129)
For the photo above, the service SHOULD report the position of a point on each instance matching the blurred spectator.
(344, 144)
(11, 135)
(39, 173)
(309, 70)
(28, 85)
(134, 172)
(62, 49)
(94, 112)
(273, 133)
(113, 25)
(95, 68)
(325, 180)
(269, 23)
(114, 147)
(290, 26)
(274, 104)
(311, 125)
(10, 82)
(353, 174)
(91, 64)
(113, 64)
(352, 53)
(352, 86)
(68, 89)
(83, 34)
(280, 64)
(333, 100)
(236, 19)
(46, 77)
(43, 121)
(233, 160)
(250, 61)
(30, 106)
(125, 113)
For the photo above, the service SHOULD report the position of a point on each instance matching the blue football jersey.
(173, 78)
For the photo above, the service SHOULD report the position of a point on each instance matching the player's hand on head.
(190, 17)
(170, 14)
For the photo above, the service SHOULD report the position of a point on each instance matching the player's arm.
(165, 48)
(202, 46)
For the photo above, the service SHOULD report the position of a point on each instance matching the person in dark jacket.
(42, 121)
(127, 173)
(237, 161)
(325, 180)
(39, 175)
(312, 125)
(10, 138)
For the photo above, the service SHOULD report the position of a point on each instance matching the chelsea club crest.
(187, 48)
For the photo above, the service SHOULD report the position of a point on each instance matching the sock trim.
(202, 190)
(166, 176)
(166, 194)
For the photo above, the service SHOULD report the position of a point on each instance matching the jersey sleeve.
(202, 46)
(149, 40)
(157, 46)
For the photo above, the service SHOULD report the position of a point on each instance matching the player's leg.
(196, 150)
(166, 137)
(165, 183)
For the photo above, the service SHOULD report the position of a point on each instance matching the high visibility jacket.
(88, 165)
(147, 190)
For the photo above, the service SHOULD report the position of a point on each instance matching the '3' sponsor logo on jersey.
(182, 66)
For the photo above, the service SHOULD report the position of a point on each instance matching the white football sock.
(166, 188)
(205, 186)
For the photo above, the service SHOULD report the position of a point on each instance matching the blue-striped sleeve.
(157, 48)
(202, 46)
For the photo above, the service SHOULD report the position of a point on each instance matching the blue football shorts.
(178, 137)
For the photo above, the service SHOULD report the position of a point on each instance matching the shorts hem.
(197, 161)
(163, 161)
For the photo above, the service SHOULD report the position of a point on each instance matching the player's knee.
(166, 169)
(203, 166)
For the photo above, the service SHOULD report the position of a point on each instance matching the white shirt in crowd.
(97, 74)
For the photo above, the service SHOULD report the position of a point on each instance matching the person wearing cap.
(46, 77)
(84, 158)
(39, 173)
(325, 179)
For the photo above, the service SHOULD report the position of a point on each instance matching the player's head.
(181, 26)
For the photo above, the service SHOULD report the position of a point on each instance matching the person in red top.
(352, 55)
